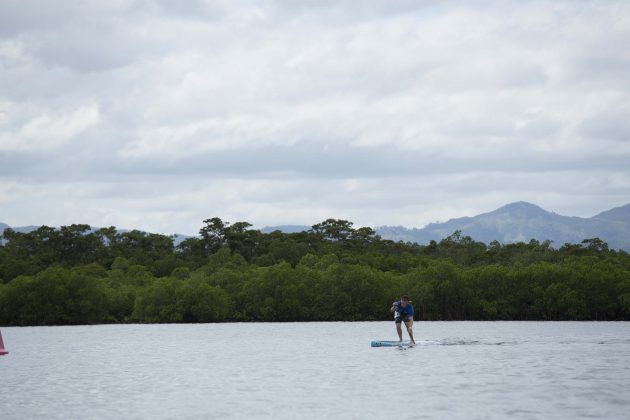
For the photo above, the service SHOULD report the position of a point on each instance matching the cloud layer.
(158, 115)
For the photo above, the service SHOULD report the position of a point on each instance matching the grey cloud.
(539, 127)
(353, 96)
(192, 9)
(302, 161)
(341, 12)
(91, 48)
(612, 125)
(607, 69)
(480, 128)
(179, 205)
(340, 162)
(18, 16)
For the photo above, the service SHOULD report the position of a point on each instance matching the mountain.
(21, 229)
(515, 222)
(522, 221)
(178, 238)
(618, 214)
(285, 228)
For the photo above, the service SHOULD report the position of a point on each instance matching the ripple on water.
(315, 370)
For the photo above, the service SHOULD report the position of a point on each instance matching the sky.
(156, 115)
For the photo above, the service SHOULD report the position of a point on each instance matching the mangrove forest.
(332, 272)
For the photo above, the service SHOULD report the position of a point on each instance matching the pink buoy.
(2, 350)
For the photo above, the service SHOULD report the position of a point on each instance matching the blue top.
(406, 311)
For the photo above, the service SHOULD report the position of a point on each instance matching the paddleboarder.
(403, 312)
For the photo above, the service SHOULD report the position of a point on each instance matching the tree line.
(332, 272)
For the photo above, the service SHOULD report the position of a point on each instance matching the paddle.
(410, 332)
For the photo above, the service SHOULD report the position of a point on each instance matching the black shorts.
(400, 319)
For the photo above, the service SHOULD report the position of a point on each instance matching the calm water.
(315, 370)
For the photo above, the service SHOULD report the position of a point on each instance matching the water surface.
(316, 370)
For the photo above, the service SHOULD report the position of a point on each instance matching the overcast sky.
(159, 114)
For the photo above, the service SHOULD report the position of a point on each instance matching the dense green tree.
(334, 230)
(56, 296)
(78, 275)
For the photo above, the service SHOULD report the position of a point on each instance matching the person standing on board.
(403, 312)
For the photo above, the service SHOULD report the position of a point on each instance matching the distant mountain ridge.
(514, 222)
(519, 221)
(522, 221)
(619, 214)
(177, 237)
(285, 228)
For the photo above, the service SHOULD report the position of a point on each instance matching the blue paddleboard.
(385, 343)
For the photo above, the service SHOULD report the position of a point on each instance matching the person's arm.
(394, 307)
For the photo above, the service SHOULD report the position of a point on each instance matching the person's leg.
(399, 330)
(409, 325)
